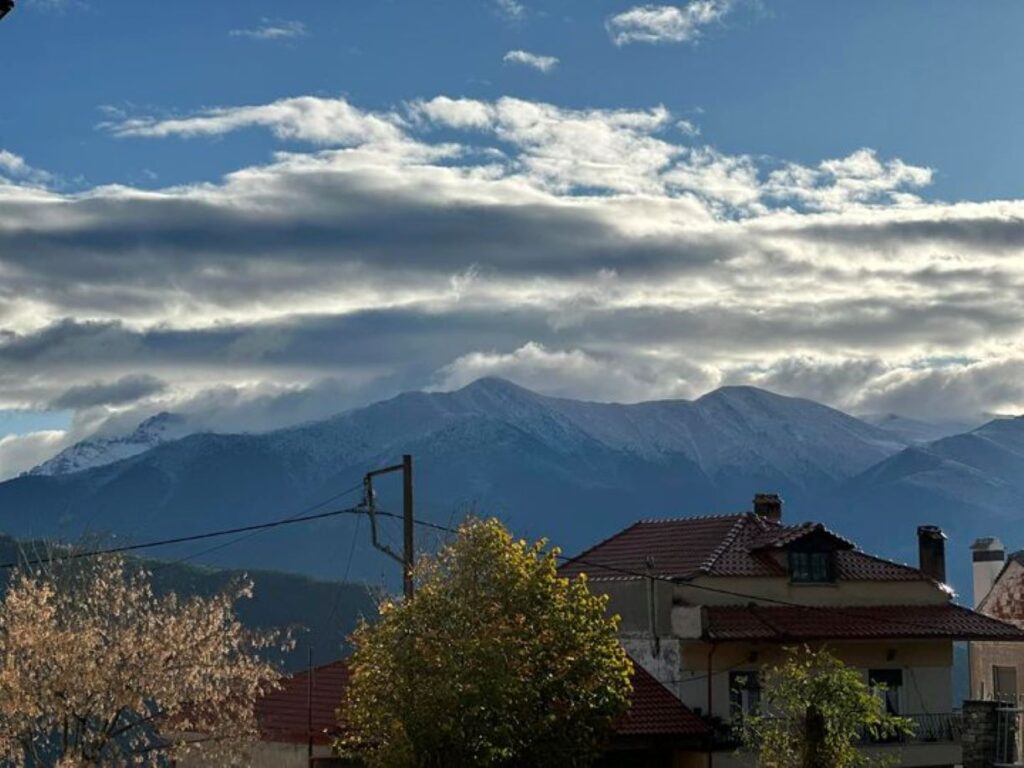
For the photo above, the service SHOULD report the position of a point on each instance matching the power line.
(290, 518)
(185, 539)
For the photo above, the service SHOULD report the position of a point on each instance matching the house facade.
(997, 669)
(708, 602)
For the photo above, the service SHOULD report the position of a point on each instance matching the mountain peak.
(497, 385)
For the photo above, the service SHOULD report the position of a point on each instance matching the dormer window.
(812, 567)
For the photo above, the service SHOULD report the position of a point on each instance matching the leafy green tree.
(815, 711)
(497, 661)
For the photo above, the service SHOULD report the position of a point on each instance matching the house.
(298, 723)
(997, 669)
(707, 602)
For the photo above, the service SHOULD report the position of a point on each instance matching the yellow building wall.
(926, 665)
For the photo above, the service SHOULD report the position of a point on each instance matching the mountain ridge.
(572, 471)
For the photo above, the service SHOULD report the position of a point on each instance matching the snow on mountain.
(570, 470)
(916, 431)
(99, 451)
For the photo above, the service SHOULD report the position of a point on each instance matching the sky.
(257, 214)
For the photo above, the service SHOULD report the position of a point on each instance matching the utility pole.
(407, 558)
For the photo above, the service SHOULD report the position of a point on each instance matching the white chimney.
(987, 557)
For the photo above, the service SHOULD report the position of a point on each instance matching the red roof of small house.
(284, 715)
(778, 623)
(655, 711)
(723, 545)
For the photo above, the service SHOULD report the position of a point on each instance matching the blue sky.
(257, 213)
(937, 83)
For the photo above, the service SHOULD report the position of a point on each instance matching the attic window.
(812, 567)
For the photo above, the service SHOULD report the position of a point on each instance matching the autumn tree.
(814, 713)
(497, 661)
(96, 670)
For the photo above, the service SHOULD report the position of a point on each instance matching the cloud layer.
(597, 253)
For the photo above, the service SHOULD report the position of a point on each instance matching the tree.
(497, 661)
(814, 711)
(97, 670)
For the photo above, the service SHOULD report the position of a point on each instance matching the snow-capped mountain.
(915, 431)
(570, 470)
(98, 451)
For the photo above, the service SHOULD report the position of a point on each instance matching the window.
(811, 567)
(744, 693)
(1004, 683)
(892, 680)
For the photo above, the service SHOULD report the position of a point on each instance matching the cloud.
(272, 29)
(858, 178)
(595, 252)
(15, 169)
(511, 9)
(577, 374)
(127, 389)
(19, 453)
(666, 23)
(316, 120)
(543, 64)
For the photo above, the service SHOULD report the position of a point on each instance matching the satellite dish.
(6, 6)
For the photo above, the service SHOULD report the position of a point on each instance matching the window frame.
(812, 566)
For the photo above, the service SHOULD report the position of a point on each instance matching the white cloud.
(859, 178)
(272, 29)
(512, 10)
(307, 118)
(579, 374)
(14, 168)
(19, 453)
(543, 64)
(666, 23)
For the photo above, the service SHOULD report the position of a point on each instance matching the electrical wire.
(290, 518)
(184, 539)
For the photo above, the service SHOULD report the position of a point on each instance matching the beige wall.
(266, 754)
(926, 665)
(983, 656)
(910, 755)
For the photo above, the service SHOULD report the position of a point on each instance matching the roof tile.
(776, 623)
(726, 545)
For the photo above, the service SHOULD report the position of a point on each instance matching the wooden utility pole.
(408, 522)
(407, 559)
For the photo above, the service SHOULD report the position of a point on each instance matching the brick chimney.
(987, 558)
(931, 549)
(768, 506)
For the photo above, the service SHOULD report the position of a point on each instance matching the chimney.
(931, 549)
(768, 506)
(987, 557)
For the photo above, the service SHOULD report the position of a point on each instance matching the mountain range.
(569, 470)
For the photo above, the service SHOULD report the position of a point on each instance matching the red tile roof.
(283, 715)
(776, 623)
(655, 711)
(726, 545)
